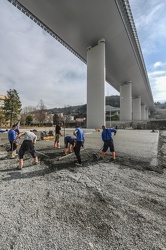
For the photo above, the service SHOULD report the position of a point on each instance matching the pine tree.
(12, 106)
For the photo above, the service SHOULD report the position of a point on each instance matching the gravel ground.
(101, 205)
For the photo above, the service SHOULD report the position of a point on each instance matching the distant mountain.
(113, 101)
(69, 109)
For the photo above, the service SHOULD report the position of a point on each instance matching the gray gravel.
(101, 205)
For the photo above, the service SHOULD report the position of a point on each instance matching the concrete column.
(147, 113)
(126, 101)
(143, 113)
(137, 108)
(96, 85)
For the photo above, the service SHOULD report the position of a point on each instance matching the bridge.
(103, 35)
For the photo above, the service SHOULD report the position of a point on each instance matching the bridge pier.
(126, 101)
(147, 113)
(137, 108)
(143, 112)
(96, 85)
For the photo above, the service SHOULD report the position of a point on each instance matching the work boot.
(20, 164)
(78, 164)
(112, 160)
(36, 161)
(13, 154)
(101, 158)
(20, 167)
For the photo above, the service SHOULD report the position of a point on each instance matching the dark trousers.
(108, 144)
(27, 145)
(12, 146)
(77, 150)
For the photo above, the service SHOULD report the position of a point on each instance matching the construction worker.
(69, 143)
(58, 133)
(30, 138)
(11, 137)
(79, 143)
(108, 141)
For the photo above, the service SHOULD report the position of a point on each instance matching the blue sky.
(38, 67)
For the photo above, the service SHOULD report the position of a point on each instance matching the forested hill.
(113, 101)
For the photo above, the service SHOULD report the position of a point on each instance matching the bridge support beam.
(147, 113)
(143, 112)
(126, 101)
(96, 85)
(137, 108)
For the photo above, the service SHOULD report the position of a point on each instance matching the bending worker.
(69, 143)
(108, 141)
(28, 145)
(79, 133)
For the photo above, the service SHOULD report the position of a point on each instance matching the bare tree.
(29, 110)
(41, 112)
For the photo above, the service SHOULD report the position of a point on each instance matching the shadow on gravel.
(49, 158)
(52, 165)
(18, 174)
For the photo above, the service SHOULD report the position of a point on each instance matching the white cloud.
(158, 64)
(156, 73)
(158, 87)
(150, 20)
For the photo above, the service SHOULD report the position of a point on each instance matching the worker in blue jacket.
(108, 141)
(12, 137)
(69, 143)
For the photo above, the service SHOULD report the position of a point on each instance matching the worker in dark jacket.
(58, 133)
(79, 133)
(108, 141)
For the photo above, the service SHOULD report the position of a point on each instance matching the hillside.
(113, 101)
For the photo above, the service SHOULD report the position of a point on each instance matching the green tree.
(55, 119)
(12, 106)
(29, 120)
(115, 118)
(1, 117)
